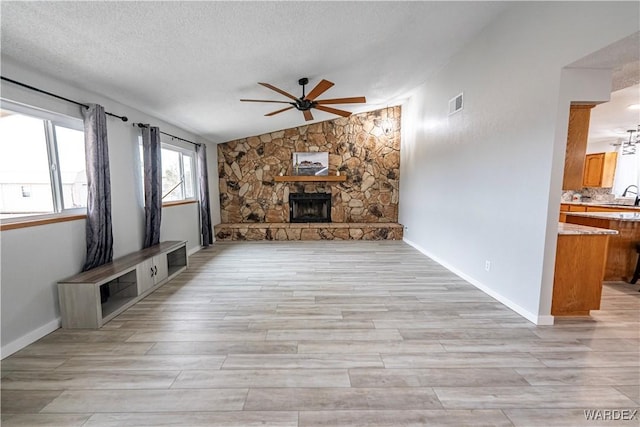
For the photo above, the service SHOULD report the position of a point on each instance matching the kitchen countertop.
(615, 216)
(577, 230)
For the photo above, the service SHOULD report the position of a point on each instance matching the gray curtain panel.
(99, 233)
(152, 185)
(205, 207)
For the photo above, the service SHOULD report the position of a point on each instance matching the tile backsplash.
(588, 194)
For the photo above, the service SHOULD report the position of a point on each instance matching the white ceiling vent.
(455, 104)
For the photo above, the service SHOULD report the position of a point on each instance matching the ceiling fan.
(306, 102)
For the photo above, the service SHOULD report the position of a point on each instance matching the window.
(42, 162)
(178, 176)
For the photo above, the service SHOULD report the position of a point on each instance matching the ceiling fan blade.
(307, 115)
(264, 100)
(280, 91)
(319, 89)
(333, 111)
(352, 100)
(278, 111)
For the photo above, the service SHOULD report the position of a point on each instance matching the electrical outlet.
(406, 228)
(487, 265)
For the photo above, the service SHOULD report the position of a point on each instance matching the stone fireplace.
(368, 159)
(356, 200)
(309, 207)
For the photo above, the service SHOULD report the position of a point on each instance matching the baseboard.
(16, 345)
(31, 337)
(533, 318)
(193, 250)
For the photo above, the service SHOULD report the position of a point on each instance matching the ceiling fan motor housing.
(304, 104)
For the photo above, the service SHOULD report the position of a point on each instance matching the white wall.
(182, 222)
(483, 184)
(34, 259)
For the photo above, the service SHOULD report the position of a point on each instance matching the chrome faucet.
(626, 190)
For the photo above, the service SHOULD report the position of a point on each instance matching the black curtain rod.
(123, 118)
(142, 125)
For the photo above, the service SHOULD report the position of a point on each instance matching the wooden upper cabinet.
(574, 160)
(599, 169)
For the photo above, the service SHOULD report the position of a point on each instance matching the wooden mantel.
(310, 178)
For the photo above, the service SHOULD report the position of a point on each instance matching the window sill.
(178, 203)
(12, 224)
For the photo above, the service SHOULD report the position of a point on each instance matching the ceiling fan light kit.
(308, 101)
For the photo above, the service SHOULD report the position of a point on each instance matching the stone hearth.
(309, 231)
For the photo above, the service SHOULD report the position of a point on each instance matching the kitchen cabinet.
(621, 253)
(564, 208)
(599, 169)
(612, 209)
(574, 161)
(567, 207)
(580, 262)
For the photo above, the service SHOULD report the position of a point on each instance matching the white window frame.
(50, 120)
(183, 151)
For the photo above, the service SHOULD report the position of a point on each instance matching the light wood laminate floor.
(328, 333)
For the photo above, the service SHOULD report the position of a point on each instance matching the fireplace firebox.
(309, 207)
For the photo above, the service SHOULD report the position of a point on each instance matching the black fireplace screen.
(309, 207)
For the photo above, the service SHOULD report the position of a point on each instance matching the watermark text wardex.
(611, 414)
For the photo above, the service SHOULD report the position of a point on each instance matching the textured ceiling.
(611, 120)
(189, 63)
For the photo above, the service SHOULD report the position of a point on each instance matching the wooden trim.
(576, 149)
(587, 106)
(305, 178)
(25, 223)
(178, 203)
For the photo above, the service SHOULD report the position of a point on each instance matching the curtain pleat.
(99, 234)
(152, 185)
(205, 206)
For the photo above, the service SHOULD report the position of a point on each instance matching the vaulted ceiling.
(189, 63)
(611, 120)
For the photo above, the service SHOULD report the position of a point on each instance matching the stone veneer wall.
(357, 148)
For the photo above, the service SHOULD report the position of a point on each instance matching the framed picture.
(311, 164)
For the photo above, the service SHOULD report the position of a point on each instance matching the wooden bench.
(127, 280)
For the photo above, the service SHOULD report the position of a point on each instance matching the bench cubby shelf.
(127, 279)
